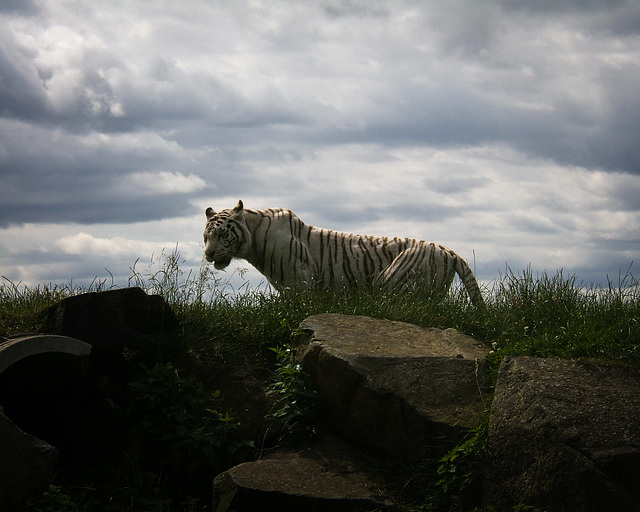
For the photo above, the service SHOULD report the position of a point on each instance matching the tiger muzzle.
(219, 264)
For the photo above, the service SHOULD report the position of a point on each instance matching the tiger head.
(226, 236)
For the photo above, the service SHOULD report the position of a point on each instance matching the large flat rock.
(356, 336)
(564, 435)
(328, 476)
(393, 385)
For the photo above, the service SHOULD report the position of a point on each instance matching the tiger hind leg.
(426, 267)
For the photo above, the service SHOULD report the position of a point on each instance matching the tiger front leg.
(304, 276)
(293, 270)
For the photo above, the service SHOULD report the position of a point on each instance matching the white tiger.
(289, 253)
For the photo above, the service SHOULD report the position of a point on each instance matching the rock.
(12, 351)
(46, 391)
(392, 385)
(27, 465)
(564, 435)
(326, 477)
(28, 462)
(118, 319)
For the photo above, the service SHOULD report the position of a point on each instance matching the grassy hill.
(525, 314)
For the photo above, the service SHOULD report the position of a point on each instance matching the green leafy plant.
(178, 425)
(520, 507)
(295, 405)
(460, 470)
(53, 499)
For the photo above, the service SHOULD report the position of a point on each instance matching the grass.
(526, 314)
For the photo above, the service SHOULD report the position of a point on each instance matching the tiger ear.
(209, 212)
(239, 207)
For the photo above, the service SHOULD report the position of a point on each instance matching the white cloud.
(164, 182)
(84, 244)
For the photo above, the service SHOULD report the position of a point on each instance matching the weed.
(461, 469)
(178, 426)
(21, 305)
(295, 405)
(54, 499)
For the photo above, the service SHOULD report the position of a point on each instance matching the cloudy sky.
(507, 130)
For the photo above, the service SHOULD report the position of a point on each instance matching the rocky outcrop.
(388, 385)
(117, 319)
(328, 476)
(564, 435)
(27, 462)
(53, 411)
(27, 465)
(391, 385)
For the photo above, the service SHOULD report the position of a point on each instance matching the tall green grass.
(554, 316)
(526, 313)
(20, 305)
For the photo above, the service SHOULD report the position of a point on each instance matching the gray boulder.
(391, 385)
(325, 477)
(26, 465)
(27, 462)
(564, 435)
(47, 390)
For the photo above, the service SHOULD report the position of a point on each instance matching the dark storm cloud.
(579, 59)
(115, 93)
(594, 18)
(96, 209)
(20, 95)
(424, 213)
(450, 184)
(67, 178)
(19, 7)
(569, 129)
